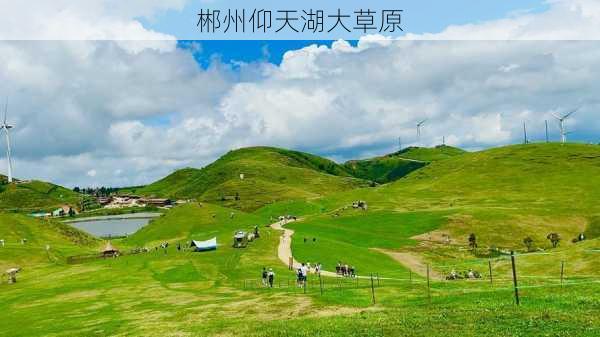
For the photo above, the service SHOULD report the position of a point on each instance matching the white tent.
(202, 246)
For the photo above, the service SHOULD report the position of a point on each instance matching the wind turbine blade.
(570, 113)
(5, 110)
(555, 116)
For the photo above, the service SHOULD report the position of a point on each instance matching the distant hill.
(269, 175)
(526, 173)
(35, 195)
(394, 166)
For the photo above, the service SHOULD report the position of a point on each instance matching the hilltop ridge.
(250, 178)
(393, 166)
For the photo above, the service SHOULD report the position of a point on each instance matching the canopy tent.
(202, 246)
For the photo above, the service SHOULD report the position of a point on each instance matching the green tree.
(528, 242)
(554, 239)
(472, 241)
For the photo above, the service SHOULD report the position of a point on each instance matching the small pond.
(113, 225)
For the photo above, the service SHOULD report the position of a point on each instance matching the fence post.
(428, 285)
(491, 276)
(514, 272)
(304, 284)
(378, 280)
(372, 288)
(321, 284)
(410, 276)
(291, 263)
(562, 272)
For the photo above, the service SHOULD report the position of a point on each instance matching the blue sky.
(426, 16)
(421, 17)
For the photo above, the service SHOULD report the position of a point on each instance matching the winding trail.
(284, 250)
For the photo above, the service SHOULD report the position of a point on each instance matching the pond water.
(113, 225)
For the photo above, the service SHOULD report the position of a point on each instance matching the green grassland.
(36, 195)
(502, 195)
(270, 175)
(63, 240)
(394, 166)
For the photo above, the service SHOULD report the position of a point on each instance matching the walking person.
(271, 276)
(264, 277)
(299, 277)
(304, 271)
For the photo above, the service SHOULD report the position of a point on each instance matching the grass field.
(502, 195)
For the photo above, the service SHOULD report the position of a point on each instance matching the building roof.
(109, 248)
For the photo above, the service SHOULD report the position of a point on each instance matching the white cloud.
(564, 20)
(127, 112)
(133, 118)
(86, 20)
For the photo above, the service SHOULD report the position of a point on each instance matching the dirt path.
(284, 250)
(411, 261)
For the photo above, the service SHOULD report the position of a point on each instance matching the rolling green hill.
(63, 240)
(565, 176)
(269, 175)
(35, 195)
(195, 221)
(394, 166)
(503, 195)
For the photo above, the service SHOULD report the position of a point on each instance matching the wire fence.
(500, 275)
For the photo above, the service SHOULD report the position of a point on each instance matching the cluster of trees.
(554, 239)
(96, 191)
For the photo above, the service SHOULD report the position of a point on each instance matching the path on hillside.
(284, 250)
(409, 260)
(413, 160)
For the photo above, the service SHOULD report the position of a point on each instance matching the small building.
(104, 200)
(109, 250)
(64, 210)
(156, 202)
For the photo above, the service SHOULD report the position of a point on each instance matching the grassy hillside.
(502, 195)
(195, 221)
(35, 195)
(63, 240)
(564, 176)
(270, 175)
(399, 164)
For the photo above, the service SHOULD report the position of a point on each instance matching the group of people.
(268, 277)
(3, 243)
(345, 270)
(304, 270)
(470, 274)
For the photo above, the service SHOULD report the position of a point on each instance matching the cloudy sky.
(126, 101)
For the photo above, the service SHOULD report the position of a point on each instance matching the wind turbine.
(7, 127)
(561, 123)
(419, 126)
